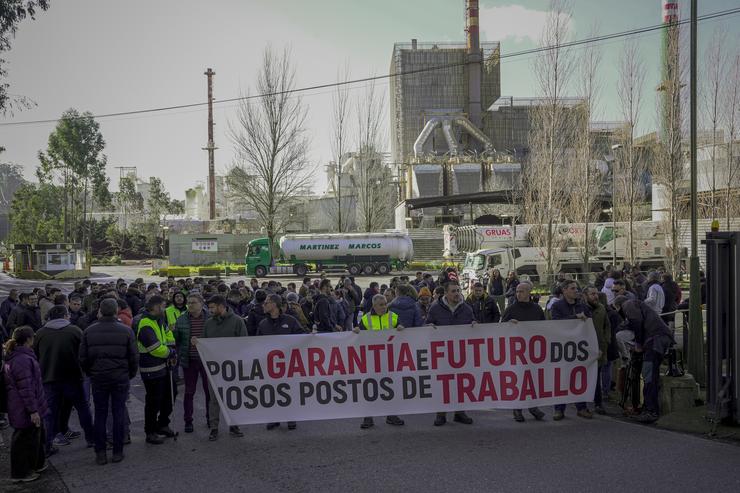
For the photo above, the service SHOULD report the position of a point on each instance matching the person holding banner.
(379, 318)
(451, 309)
(223, 323)
(524, 310)
(278, 323)
(570, 307)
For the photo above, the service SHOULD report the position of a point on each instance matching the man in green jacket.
(188, 327)
(603, 336)
(223, 323)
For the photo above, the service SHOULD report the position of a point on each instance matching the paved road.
(494, 454)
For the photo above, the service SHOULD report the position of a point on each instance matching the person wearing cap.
(277, 323)
(293, 308)
(379, 318)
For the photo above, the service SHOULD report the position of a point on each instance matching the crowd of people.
(62, 350)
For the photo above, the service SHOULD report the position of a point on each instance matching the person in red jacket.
(26, 406)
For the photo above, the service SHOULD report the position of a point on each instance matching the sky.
(107, 56)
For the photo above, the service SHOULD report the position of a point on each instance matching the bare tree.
(551, 135)
(669, 171)
(715, 68)
(371, 178)
(731, 107)
(271, 167)
(340, 137)
(587, 180)
(629, 164)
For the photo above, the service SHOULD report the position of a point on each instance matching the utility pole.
(696, 329)
(210, 147)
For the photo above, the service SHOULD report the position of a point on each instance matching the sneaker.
(27, 479)
(394, 421)
(271, 426)
(101, 458)
(558, 415)
(43, 468)
(51, 451)
(600, 410)
(440, 420)
(537, 413)
(463, 418)
(166, 431)
(61, 441)
(518, 416)
(367, 423)
(646, 417)
(213, 436)
(235, 432)
(584, 413)
(188, 427)
(71, 435)
(117, 457)
(291, 425)
(154, 439)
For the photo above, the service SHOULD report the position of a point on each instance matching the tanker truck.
(357, 253)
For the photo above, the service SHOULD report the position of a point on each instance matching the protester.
(652, 337)
(155, 358)
(323, 315)
(571, 307)
(57, 347)
(512, 281)
(256, 313)
(496, 289)
(379, 318)
(655, 297)
(597, 303)
(26, 406)
(222, 323)
(485, 309)
(25, 313)
(425, 301)
(405, 306)
(451, 309)
(108, 354)
(176, 309)
(7, 306)
(524, 310)
(278, 323)
(188, 328)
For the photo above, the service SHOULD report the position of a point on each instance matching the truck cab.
(257, 261)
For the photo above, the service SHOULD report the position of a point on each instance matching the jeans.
(214, 412)
(115, 394)
(194, 370)
(651, 377)
(27, 451)
(606, 378)
(73, 392)
(599, 391)
(157, 403)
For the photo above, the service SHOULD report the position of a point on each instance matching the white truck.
(509, 248)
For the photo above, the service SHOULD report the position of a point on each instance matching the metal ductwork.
(475, 132)
(426, 132)
(449, 137)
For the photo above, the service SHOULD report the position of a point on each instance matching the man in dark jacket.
(571, 307)
(653, 338)
(406, 307)
(485, 308)
(223, 323)
(57, 346)
(7, 306)
(367, 297)
(133, 299)
(26, 313)
(257, 313)
(323, 315)
(76, 315)
(451, 309)
(109, 356)
(524, 310)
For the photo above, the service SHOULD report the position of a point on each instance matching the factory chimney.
(474, 59)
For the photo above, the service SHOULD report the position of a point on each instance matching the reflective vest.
(153, 357)
(173, 313)
(371, 321)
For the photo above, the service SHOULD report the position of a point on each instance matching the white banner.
(416, 370)
(205, 245)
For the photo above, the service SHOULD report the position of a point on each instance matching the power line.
(594, 39)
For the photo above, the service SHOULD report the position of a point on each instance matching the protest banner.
(416, 370)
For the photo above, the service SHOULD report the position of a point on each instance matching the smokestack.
(474, 62)
(670, 80)
(413, 44)
(670, 12)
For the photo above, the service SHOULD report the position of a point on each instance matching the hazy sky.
(108, 56)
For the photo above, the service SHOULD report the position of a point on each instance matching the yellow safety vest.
(389, 320)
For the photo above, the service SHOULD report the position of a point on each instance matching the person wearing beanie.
(424, 301)
(293, 308)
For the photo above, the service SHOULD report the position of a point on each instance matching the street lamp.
(615, 147)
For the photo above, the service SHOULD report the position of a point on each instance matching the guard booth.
(50, 260)
(723, 325)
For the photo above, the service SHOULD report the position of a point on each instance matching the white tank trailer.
(358, 253)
